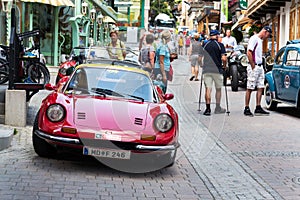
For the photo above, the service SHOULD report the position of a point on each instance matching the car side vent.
(81, 115)
(138, 121)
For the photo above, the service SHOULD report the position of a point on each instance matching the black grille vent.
(81, 115)
(138, 121)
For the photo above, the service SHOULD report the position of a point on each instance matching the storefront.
(64, 24)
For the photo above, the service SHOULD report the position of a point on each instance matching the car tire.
(271, 104)
(234, 78)
(41, 147)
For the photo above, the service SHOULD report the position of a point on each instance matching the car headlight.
(244, 60)
(63, 71)
(163, 123)
(55, 112)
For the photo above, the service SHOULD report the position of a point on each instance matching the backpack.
(145, 55)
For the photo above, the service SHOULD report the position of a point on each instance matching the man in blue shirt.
(214, 63)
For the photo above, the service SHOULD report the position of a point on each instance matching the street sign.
(243, 4)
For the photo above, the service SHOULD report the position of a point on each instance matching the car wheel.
(234, 78)
(271, 104)
(41, 147)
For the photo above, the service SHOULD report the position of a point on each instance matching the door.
(277, 70)
(290, 75)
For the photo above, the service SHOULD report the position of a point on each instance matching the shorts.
(194, 60)
(255, 77)
(209, 78)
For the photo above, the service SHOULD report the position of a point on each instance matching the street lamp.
(99, 21)
(93, 14)
(99, 18)
(6, 5)
(84, 8)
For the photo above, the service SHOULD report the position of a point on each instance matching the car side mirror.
(49, 86)
(168, 96)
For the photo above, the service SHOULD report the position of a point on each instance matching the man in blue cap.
(255, 71)
(214, 63)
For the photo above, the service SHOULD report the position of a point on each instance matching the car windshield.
(111, 82)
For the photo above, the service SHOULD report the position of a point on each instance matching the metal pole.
(200, 93)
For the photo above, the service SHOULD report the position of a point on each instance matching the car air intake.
(138, 121)
(81, 115)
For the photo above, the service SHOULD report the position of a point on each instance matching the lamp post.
(84, 8)
(93, 33)
(100, 30)
(6, 5)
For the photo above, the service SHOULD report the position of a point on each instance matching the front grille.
(81, 115)
(138, 121)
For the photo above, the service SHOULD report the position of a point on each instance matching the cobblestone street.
(221, 157)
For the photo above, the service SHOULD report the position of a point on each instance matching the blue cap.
(268, 28)
(214, 32)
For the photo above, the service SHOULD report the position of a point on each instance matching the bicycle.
(31, 70)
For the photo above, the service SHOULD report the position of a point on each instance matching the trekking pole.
(227, 110)
(199, 102)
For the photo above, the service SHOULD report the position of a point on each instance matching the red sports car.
(111, 112)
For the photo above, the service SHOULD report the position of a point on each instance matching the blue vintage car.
(283, 82)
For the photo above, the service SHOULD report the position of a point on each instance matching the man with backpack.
(147, 54)
(214, 63)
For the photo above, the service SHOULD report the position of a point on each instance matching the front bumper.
(75, 141)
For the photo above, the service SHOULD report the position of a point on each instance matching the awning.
(108, 19)
(260, 8)
(242, 20)
(52, 2)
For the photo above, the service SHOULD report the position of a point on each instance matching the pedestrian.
(229, 41)
(162, 58)
(180, 44)
(194, 52)
(255, 71)
(116, 48)
(187, 44)
(147, 54)
(213, 66)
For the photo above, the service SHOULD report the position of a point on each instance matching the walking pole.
(199, 102)
(227, 110)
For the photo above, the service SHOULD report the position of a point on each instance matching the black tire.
(3, 71)
(271, 104)
(234, 78)
(41, 147)
(38, 73)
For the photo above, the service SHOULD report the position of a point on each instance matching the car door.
(290, 75)
(277, 70)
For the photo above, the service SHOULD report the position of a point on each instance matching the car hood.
(110, 114)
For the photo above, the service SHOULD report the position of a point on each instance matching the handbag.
(170, 75)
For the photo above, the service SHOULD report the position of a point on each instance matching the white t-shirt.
(255, 45)
(231, 41)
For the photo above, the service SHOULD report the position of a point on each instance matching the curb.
(6, 135)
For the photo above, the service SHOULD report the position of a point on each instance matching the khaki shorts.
(255, 77)
(209, 78)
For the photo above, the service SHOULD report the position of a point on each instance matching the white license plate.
(106, 153)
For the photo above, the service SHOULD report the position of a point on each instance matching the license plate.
(106, 153)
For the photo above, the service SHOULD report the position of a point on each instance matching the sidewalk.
(225, 175)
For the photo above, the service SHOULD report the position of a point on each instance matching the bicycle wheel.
(3, 71)
(38, 73)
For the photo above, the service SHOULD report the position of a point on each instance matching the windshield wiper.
(114, 93)
(107, 92)
(86, 91)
